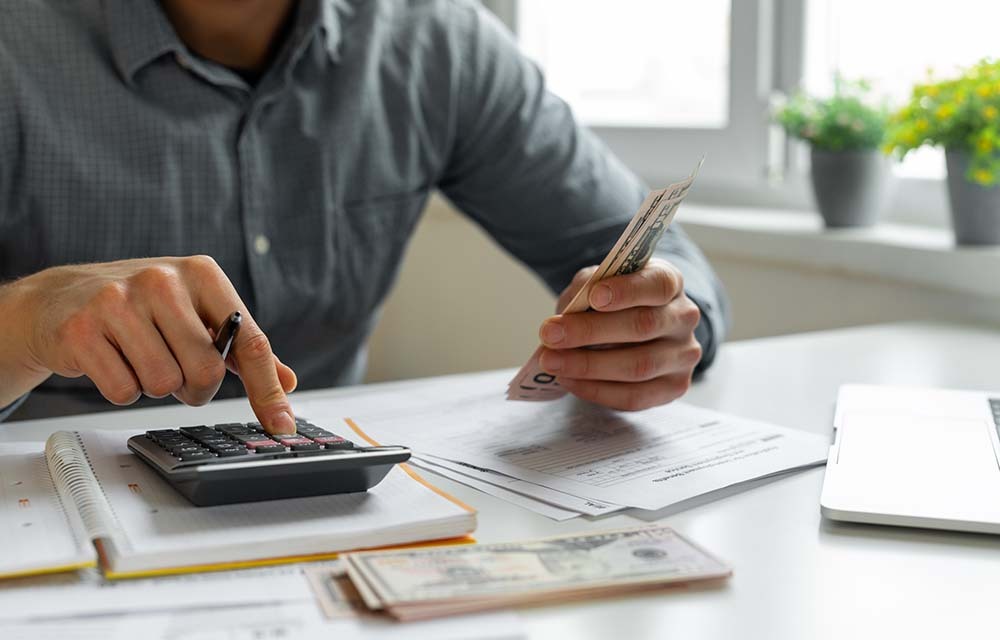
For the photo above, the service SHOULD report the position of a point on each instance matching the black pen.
(227, 333)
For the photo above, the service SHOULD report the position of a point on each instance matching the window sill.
(921, 256)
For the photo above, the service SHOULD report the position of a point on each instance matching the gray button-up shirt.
(117, 142)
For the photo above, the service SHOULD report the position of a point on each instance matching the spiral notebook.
(86, 500)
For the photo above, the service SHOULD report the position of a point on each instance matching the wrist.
(20, 369)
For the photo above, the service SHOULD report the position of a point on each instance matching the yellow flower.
(922, 125)
(945, 111)
(909, 137)
(985, 145)
(990, 112)
(932, 91)
(984, 90)
(982, 176)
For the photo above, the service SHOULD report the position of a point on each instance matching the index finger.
(654, 285)
(253, 355)
(216, 300)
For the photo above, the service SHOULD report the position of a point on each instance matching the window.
(894, 43)
(637, 73)
(663, 82)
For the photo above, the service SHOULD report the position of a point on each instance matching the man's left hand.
(644, 325)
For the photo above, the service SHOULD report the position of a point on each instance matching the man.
(163, 164)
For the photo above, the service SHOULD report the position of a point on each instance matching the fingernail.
(282, 423)
(600, 297)
(553, 332)
(551, 361)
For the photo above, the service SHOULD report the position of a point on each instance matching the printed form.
(649, 459)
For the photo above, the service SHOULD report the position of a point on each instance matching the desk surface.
(796, 576)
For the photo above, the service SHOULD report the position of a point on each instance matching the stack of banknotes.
(416, 584)
(631, 253)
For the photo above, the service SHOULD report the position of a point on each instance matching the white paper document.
(276, 621)
(531, 504)
(649, 459)
(576, 504)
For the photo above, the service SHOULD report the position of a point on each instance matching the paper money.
(631, 253)
(337, 597)
(423, 583)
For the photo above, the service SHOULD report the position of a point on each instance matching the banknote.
(337, 596)
(630, 253)
(413, 584)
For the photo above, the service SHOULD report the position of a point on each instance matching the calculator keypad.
(236, 439)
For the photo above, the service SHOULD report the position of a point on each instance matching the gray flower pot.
(975, 209)
(850, 186)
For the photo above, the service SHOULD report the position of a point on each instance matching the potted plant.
(845, 132)
(962, 115)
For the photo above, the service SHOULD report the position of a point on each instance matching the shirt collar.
(140, 32)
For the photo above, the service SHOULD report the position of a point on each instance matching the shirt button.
(261, 245)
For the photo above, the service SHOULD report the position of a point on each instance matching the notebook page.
(38, 535)
(162, 526)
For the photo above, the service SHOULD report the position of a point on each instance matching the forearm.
(18, 374)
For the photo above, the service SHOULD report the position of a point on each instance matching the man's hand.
(138, 327)
(644, 327)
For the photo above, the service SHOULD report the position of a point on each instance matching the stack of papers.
(567, 458)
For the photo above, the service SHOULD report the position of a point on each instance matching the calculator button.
(200, 455)
(314, 431)
(219, 446)
(183, 451)
(251, 437)
(257, 444)
(290, 440)
(169, 437)
(233, 428)
(229, 453)
(197, 431)
(155, 433)
(306, 446)
(268, 448)
(334, 442)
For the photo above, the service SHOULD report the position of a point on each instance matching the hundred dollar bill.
(631, 253)
(421, 583)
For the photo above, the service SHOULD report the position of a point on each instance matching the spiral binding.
(71, 471)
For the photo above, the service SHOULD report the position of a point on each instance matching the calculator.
(240, 462)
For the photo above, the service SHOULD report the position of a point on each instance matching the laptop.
(915, 457)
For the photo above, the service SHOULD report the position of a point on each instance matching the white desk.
(796, 576)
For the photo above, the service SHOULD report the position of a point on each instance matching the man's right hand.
(138, 327)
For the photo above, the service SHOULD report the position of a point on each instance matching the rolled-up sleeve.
(544, 187)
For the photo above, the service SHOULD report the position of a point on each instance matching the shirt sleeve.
(8, 134)
(8, 411)
(544, 187)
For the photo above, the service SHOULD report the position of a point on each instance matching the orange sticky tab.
(409, 470)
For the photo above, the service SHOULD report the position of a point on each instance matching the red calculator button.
(262, 443)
